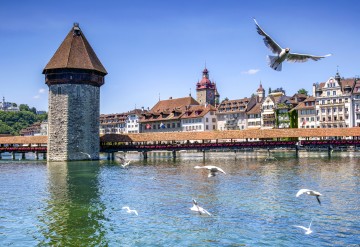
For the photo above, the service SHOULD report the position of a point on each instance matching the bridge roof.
(23, 140)
(230, 134)
(203, 135)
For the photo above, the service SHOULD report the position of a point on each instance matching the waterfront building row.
(334, 103)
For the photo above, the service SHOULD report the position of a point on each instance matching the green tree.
(13, 122)
(24, 107)
(303, 91)
(33, 110)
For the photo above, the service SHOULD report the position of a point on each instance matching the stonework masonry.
(73, 122)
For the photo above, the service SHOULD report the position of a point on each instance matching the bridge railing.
(23, 149)
(330, 142)
(196, 146)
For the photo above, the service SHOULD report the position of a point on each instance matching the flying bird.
(130, 211)
(307, 229)
(198, 209)
(309, 192)
(275, 62)
(126, 163)
(212, 170)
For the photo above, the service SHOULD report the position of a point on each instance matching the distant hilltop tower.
(74, 76)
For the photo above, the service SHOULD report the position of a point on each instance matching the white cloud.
(36, 97)
(42, 90)
(251, 71)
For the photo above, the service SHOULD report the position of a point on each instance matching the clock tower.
(206, 92)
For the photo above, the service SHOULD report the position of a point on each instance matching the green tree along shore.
(13, 122)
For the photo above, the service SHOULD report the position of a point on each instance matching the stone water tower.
(74, 76)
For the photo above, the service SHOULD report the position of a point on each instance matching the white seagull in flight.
(198, 209)
(213, 170)
(309, 192)
(128, 210)
(307, 229)
(275, 62)
(126, 163)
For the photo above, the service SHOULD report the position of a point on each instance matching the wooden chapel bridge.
(230, 140)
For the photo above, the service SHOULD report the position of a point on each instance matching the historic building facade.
(74, 76)
(206, 91)
(334, 108)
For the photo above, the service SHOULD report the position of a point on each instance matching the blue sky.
(160, 47)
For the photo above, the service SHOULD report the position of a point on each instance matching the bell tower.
(206, 92)
(74, 76)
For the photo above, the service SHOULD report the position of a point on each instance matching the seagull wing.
(302, 227)
(220, 170)
(300, 58)
(269, 42)
(205, 211)
(302, 191)
(310, 224)
(318, 199)
(201, 167)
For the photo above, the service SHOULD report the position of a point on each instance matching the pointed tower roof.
(75, 52)
(260, 89)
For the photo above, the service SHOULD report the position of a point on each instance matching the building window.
(334, 92)
(59, 90)
(78, 92)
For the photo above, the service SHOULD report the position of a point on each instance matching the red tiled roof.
(197, 111)
(255, 110)
(171, 104)
(233, 106)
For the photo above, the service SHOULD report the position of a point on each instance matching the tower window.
(78, 92)
(59, 90)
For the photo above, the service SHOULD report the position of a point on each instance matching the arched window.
(78, 92)
(59, 90)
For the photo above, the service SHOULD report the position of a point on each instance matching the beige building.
(334, 108)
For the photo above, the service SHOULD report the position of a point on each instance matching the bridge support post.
(0, 156)
(23, 156)
(330, 150)
(112, 156)
(296, 151)
(13, 155)
(145, 154)
(108, 156)
(44, 156)
(174, 154)
(203, 154)
(37, 155)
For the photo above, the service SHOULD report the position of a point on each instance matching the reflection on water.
(74, 212)
(253, 204)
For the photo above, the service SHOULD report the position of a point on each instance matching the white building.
(356, 103)
(334, 105)
(199, 118)
(132, 121)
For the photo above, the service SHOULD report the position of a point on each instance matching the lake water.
(254, 204)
